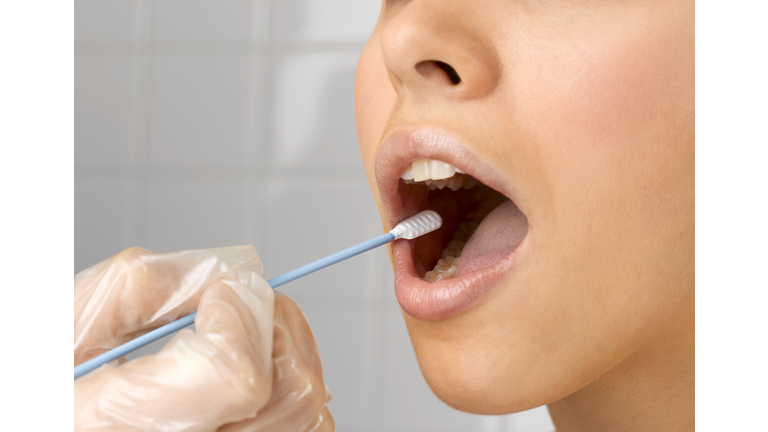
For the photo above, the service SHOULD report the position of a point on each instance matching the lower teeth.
(447, 265)
(454, 183)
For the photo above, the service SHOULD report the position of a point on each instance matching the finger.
(323, 422)
(198, 381)
(239, 320)
(299, 396)
(137, 290)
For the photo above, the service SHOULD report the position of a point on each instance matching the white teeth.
(444, 269)
(436, 175)
(407, 174)
(455, 182)
(447, 265)
(428, 169)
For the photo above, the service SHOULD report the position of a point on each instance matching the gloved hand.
(244, 369)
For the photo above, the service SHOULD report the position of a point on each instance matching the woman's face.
(576, 118)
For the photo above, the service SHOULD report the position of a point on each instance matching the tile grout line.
(141, 77)
(266, 186)
(147, 132)
(83, 48)
(251, 142)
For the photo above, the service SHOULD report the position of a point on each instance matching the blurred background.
(202, 123)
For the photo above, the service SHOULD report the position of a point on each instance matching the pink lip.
(418, 298)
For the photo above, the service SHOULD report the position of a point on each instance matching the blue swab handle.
(331, 260)
(132, 345)
(187, 320)
(415, 226)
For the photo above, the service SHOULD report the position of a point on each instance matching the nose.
(440, 48)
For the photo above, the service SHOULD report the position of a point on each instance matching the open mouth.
(445, 271)
(465, 204)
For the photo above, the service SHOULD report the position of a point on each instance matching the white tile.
(194, 214)
(103, 115)
(101, 220)
(202, 109)
(314, 115)
(309, 221)
(535, 420)
(325, 20)
(102, 21)
(409, 404)
(202, 21)
(341, 335)
(255, 212)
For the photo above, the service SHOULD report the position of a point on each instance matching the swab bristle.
(418, 225)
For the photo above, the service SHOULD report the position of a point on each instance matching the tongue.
(496, 237)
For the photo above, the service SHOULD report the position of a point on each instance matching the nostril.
(428, 67)
(450, 71)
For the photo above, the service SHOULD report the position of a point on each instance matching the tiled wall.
(213, 123)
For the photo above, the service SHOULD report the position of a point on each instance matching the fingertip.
(223, 311)
(255, 293)
(289, 314)
(245, 256)
(241, 331)
(324, 422)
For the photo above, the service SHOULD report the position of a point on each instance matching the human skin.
(586, 110)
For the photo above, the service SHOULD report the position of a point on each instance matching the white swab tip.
(418, 225)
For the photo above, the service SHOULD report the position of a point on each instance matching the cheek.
(609, 106)
(610, 119)
(610, 116)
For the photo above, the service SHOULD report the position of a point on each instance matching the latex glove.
(299, 397)
(200, 381)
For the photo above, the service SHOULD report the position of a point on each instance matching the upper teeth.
(436, 175)
(429, 169)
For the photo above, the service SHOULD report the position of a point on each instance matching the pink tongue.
(496, 237)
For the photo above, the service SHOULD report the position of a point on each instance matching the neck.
(652, 390)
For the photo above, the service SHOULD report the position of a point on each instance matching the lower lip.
(444, 299)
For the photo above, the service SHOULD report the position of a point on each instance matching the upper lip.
(404, 145)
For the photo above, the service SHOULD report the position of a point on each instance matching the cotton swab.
(411, 228)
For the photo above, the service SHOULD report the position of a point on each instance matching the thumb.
(198, 381)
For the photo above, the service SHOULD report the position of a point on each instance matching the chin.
(483, 379)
